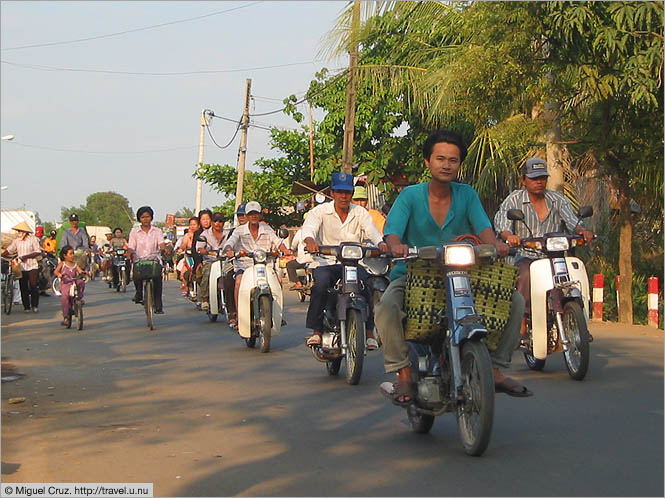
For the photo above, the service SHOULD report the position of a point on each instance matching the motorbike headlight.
(557, 244)
(459, 255)
(120, 252)
(352, 252)
(260, 256)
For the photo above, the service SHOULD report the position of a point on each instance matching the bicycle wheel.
(148, 302)
(55, 287)
(8, 294)
(79, 313)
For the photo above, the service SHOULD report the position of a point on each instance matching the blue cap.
(342, 181)
(241, 208)
(535, 167)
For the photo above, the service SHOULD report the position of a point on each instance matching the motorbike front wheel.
(575, 330)
(124, 280)
(148, 303)
(355, 346)
(332, 366)
(265, 321)
(533, 363)
(475, 414)
(251, 342)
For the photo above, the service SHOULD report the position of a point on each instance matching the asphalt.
(191, 409)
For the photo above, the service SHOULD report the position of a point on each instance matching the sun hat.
(22, 227)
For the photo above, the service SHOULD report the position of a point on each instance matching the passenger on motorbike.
(107, 256)
(67, 270)
(214, 240)
(300, 262)
(50, 243)
(430, 214)
(205, 220)
(145, 242)
(229, 280)
(249, 237)
(544, 211)
(186, 243)
(118, 242)
(360, 198)
(332, 223)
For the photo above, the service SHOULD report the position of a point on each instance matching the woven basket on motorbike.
(492, 285)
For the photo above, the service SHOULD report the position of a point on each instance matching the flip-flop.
(372, 345)
(401, 390)
(314, 340)
(512, 388)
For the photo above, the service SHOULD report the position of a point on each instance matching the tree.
(185, 212)
(104, 208)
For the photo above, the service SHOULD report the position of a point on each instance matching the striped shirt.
(22, 247)
(558, 210)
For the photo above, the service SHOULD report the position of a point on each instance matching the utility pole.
(199, 182)
(243, 145)
(350, 113)
(311, 147)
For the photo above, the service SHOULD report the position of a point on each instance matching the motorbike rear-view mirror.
(429, 252)
(585, 212)
(283, 233)
(515, 214)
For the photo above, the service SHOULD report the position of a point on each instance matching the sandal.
(512, 388)
(403, 390)
(314, 340)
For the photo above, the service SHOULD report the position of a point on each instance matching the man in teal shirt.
(429, 214)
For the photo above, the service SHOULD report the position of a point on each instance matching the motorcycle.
(121, 265)
(345, 314)
(216, 298)
(560, 297)
(47, 266)
(452, 372)
(192, 285)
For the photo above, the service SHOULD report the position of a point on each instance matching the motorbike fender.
(244, 304)
(577, 271)
(344, 302)
(378, 283)
(542, 281)
(215, 274)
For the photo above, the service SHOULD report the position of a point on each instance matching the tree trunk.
(625, 252)
(557, 153)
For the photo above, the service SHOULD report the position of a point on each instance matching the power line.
(132, 30)
(230, 141)
(40, 67)
(58, 149)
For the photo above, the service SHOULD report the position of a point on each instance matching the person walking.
(26, 247)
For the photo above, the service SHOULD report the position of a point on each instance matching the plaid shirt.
(23, 247)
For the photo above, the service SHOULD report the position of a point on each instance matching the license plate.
(351, 273)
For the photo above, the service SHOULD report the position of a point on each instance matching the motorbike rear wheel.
(355, 346)
(475, 414)
(534, 363)
(265, 321)
(332, 366)
(251, 342)
(421, 423)
(575, 329)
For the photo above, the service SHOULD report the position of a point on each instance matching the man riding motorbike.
(214, 240)
(118, 242)
(332, 223)
(249, 237)
(430, 214)
(544, 211)
(77, 238)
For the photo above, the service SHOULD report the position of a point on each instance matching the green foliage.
(103, 208)
(185, 212)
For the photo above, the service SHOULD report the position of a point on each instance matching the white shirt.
(298, 246)
(242, 239)
(22, 247)
(211, 244)
(325, 226)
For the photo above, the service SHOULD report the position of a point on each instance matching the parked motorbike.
(260, 300)
(46, 268)
(121, 265)
(559, 300)
(453, 372)
(345, 315)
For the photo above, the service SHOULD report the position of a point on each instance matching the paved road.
(191, 409)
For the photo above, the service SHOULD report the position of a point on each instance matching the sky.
(138, 135)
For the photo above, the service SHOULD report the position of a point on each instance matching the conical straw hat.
(22, 227)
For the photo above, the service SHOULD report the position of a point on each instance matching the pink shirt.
(145, 244)
(23, 247)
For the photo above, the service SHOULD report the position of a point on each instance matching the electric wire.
(133, 30)
(59, 149)
(235, 134)
(40, 67)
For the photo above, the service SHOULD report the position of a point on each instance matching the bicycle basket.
(147, 269)
(5, 267)
(492, 285)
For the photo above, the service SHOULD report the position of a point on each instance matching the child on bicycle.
(67, 270)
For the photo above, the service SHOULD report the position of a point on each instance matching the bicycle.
(7, 286)
(146, 270)
(76, 306)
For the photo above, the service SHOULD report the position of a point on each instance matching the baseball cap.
(73, 217)
(217, 217)
(252, 206)
(535, 167)
(359, 193)
(342, 181)
(241, 208)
